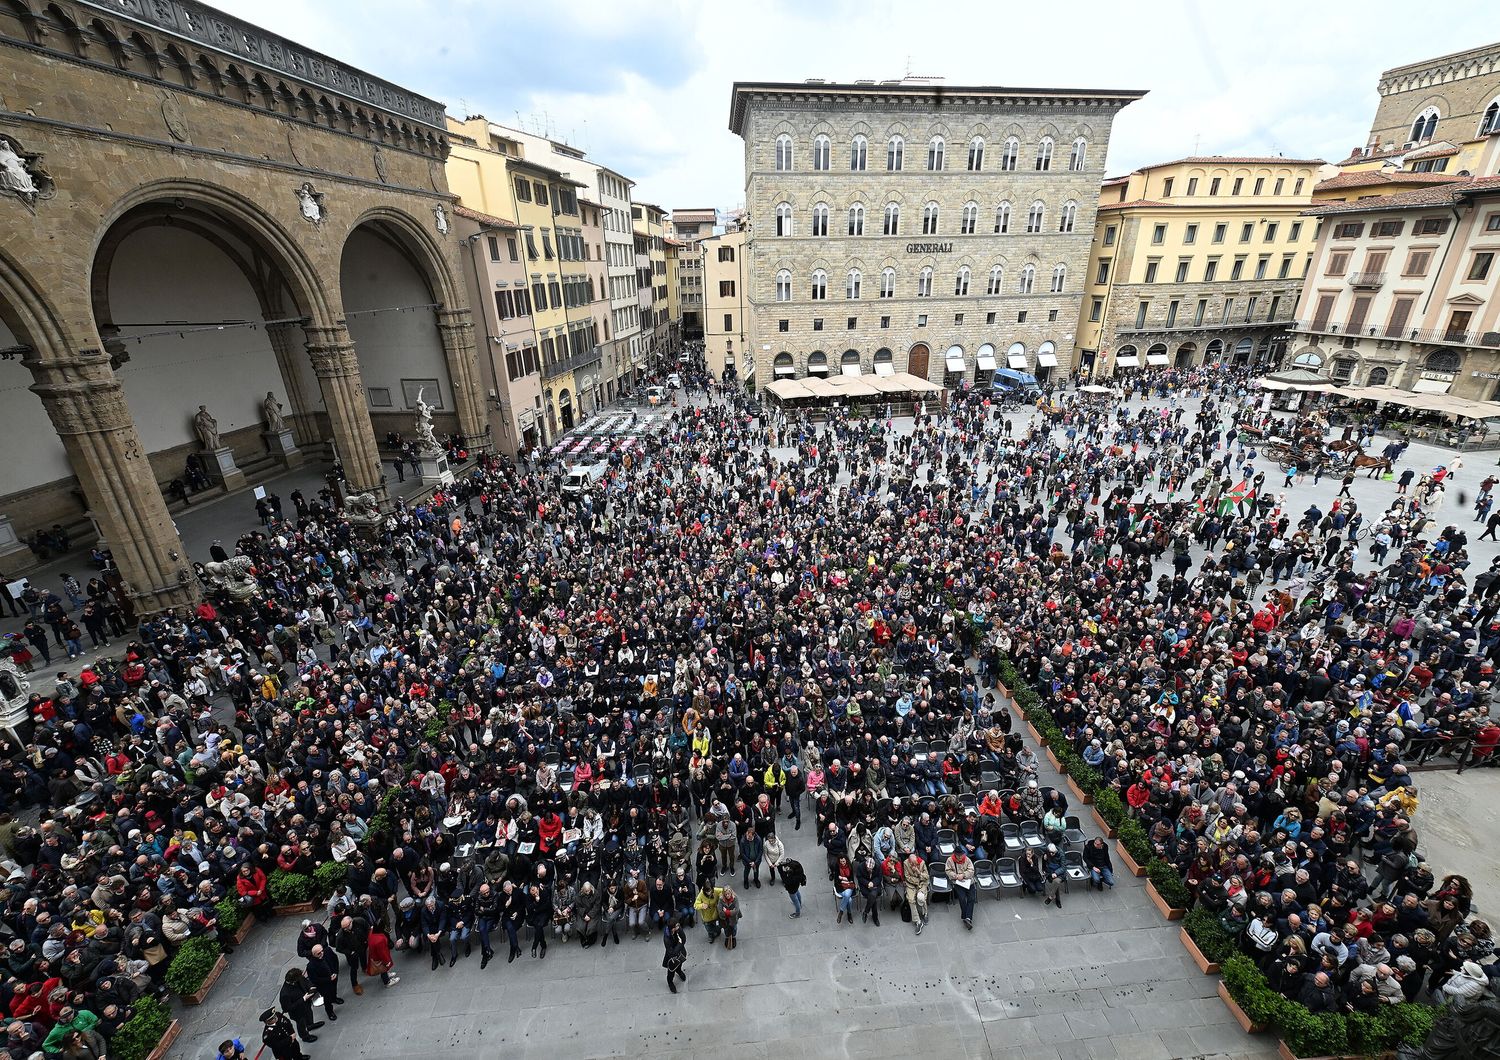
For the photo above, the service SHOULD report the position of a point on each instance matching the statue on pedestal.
(207, 429)
(271, 409)
(426, 441)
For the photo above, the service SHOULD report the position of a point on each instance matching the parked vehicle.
(1017, 386)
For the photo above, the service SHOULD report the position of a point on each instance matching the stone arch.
(418, 243)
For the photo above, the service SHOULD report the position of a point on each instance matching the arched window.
(856, 220)
(976, 154)
(1443, 361)
(783, 218)
(1034, 217)
(783, 153)
(924, 282)
(1044, 155)
(1059, 279)
(1010, 154)
(817, 363)
(1490, 123)
(1002, 218)
(1308, 358)
(969, 218)
(784, 286)
(961, 282)
(935, 148)
(783, 365)
(858, 149)
(849, 363)
(1068, 217)
(892, 219)
(894, 149)
(997, 278)
(852, 284)
(819, 285)
(1079, 157)
(1378, 377)
(887, 282)
(822, 149)
(1425, 125)
(930, 219)
(820, 219)
(1028, 278)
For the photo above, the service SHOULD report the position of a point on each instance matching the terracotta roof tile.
(1439, 151)
(1132, 202)
(484, 218)
(1375, 178)
(1226, 160)
(1445, 195)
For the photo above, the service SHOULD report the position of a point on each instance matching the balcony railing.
(1444, 336)
(564, 365)
(1372, 280)
(1280, 320)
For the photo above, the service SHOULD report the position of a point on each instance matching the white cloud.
(1282, 77)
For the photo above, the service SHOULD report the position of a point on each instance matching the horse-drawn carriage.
(1305, 448)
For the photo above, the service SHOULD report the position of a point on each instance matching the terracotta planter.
(1130, 865)
(1110, 832)
(1170, 912)
(173, 1030)
(1238, 1013)
(243, 930)
(1054, 763)
(1030, 728)
(197, 996)
(1285, 1051)
(1078, 793)
(295, 909)
(1206, 966)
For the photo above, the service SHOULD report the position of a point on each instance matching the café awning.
(1130, 360)
(1046, 359)
(1156, 358)
(955, 359)
(986, 359)
(1016, 361)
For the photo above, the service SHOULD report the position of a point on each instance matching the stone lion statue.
(362, 508)
(234, 576)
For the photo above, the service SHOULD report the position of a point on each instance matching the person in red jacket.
(253, 891)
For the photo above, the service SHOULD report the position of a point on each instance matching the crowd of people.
(513, 717)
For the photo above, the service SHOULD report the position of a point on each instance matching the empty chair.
(985, 878)
(464, 845)
(967, 802)
(947, 841)
(989, 780)
(642, 773)
(1031, 835)
(1008, 875)
(919, 749)
(1074, 870)
(565, 777)
(1074, 836)
(552, 758)
(1011, 832)
(941, 886)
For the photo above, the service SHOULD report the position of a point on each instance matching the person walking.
(296, 998)
(323, 972)
(538, 916)
(792, 878)
(918, 880)
(960, 869)
(675, 956)
(280, 1036)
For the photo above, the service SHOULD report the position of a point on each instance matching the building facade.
(725, 318)
(690, 227)
(1403, 291)
(1198, 261)
(1453, 99)
(922, 225)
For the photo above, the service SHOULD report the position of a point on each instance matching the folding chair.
(565, 778)
(642, 773)
(941, 886)
(989, 780)
(553, 758)
(1074, 836)
(1008, 875)
(1031, 835)
(1012, 835)
(967, 802)
(985, 878)
(947, 841)
(1074, 870)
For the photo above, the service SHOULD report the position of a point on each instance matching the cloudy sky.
(643, 85)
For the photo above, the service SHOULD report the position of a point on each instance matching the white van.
(581, 478)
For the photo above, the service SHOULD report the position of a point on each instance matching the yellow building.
(725, 290)
(673, 249)
(1197, 261)
(491, 176)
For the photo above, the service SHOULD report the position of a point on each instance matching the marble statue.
(311, 203)
(426, 440)
(440, 215)
(207, 429)
(362, 508)
(14, 176)
(275, 421)
(233, 576)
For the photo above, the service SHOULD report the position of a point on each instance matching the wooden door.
(916, 360)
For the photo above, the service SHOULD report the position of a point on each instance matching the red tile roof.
(1132, 202)
(484, 218)
(1440, 151)
(1225, 160)
(1374, 178)
(1445, 195)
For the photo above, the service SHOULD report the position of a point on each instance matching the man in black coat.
(353, 941)
(280, 1036)
(323, 971)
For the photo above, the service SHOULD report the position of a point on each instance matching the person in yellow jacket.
(701, 741)
(706, 905)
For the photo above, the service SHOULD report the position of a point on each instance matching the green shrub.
(1407, 1024)
(290, 888)
(1251, 991)
(191, 964)
(1216, 944)
(1107, 803)
(1164, 877)
(1324, 1034)
(1135, 841)
(329, 877)
(230, 915)
(142, 1032)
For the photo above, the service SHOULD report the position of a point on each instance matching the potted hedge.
(291, 893)
(1246, 994)
(1206, 940)
(1109, 811)
(1134, 847)
(147, 1034)
(1166, 889)
(328, 878)
(233, 919)
(1083, 779)
(194, 969)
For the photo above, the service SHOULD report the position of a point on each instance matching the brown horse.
(1378, 465)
